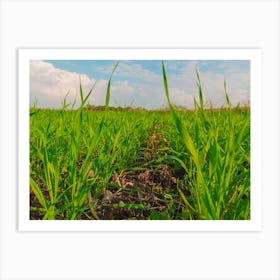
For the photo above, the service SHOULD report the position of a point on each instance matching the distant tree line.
(119, 108)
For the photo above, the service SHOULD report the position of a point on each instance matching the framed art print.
(140, 139)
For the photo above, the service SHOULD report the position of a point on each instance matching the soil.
(142, 193)
(137, 195)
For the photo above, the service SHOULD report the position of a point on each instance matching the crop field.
(137, 164)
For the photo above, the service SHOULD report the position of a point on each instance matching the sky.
(139, 83)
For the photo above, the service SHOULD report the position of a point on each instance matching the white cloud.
(183, 87)
(132, 70)
(137, 95)
(49, 85)
(136, 71)
(179, 97)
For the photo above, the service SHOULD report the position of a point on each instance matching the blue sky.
(139, 82)
(100, 69)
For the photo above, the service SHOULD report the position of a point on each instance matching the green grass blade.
(166, 86)
(109, 87)
(87, 96)
(81, 91)
(185, 200)
(38, 193)
(201, 102)
(226, 94)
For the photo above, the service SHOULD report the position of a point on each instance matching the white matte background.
(125, 24)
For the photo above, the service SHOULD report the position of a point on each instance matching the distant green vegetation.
(138, 164)
(90, 107)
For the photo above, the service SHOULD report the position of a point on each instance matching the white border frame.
(254, 55)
